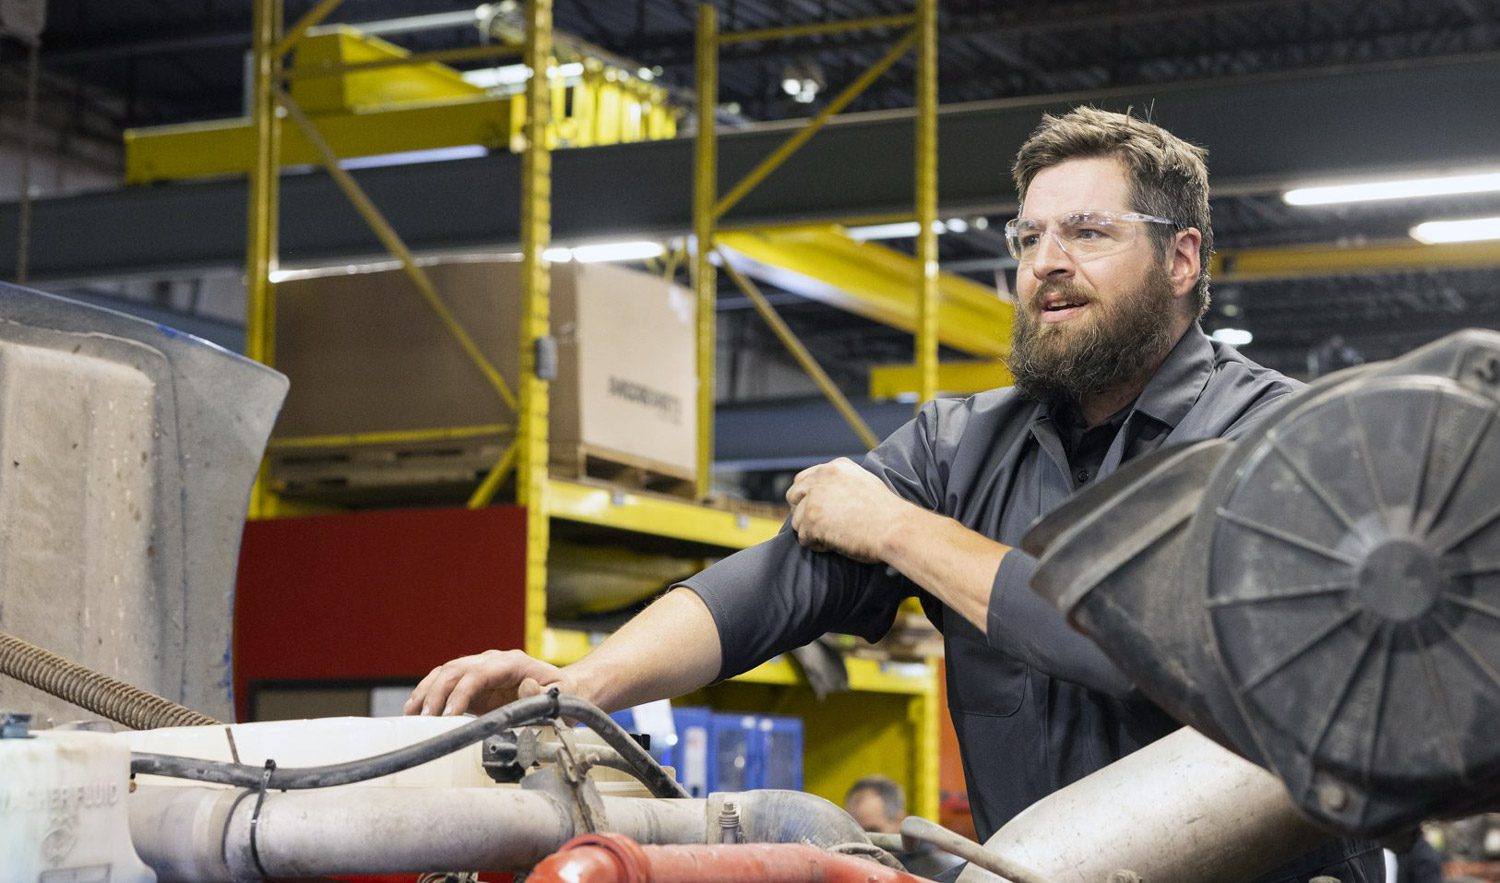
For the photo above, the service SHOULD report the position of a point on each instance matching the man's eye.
(1089, 234)
(1029, 240)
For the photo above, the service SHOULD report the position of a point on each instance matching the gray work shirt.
(1035, 704)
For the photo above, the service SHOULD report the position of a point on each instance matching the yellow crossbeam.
(441, 56)
(957, 378)
(395, 436)
(227, 147)
(1287, 262)
(656, 515)
(873, 281)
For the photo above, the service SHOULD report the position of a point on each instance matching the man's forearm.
(670, 648)
(947, 559)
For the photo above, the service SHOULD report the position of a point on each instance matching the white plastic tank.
(63, 812)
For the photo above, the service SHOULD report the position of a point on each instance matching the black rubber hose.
(524, 711)
(647, 770)
(91, 690)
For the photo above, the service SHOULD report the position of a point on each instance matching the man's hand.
(483, 682)
(841, 507)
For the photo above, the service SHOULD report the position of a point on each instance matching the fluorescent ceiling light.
(1464, 230)
(408, 157)
(901, 230)
(1405, 188)
(631, 250)
(1233, 336)
(514, 75)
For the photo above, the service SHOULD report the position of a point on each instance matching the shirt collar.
(1172, 390)
(1176, 385)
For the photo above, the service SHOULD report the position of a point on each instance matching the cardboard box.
(366, 353)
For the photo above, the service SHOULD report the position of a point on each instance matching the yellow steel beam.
(395, 436)
(872, 281)
(960, 378)
(1293, 261)
(532, 485)
(327, 68)
(813, 126)
(260, 222)
(925, 711)
(299, 30)
(926, 201)
(395, 79)
(392, 242)
(226, 147)
(804, 358)
(656, 515)
(485, 493)
(822, 27)
(705, 193)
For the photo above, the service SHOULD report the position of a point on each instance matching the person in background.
(879, 804)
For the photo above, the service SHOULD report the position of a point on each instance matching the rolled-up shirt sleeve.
(776, 596)
(1025, 625)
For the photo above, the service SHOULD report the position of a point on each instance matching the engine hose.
(518, 713)
(88, 689)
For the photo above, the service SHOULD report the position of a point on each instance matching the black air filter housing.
(1329, 606)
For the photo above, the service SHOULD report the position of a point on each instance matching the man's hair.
(890, 793)
(1168, 176)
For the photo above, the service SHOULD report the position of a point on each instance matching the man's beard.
(1119, 346)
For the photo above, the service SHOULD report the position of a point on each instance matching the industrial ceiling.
(1277, 90)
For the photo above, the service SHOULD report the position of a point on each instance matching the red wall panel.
(382, 595)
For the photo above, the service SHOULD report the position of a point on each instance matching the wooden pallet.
(434, 471)
(622, 470)
(448, 470)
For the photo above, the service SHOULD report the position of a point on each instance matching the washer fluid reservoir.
(63, 813)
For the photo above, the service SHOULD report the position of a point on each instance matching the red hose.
(615, 858)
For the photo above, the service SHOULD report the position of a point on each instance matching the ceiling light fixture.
(901, 230)
(629, 250)
(1396, 188)
(1233, 336)
(1460, 230)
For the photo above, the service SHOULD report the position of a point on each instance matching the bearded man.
(1112, 240)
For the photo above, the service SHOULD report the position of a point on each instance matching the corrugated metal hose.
(95, 692)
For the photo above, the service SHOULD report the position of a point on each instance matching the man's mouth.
(1061, 307)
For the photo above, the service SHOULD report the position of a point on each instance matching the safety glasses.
(1082, 235)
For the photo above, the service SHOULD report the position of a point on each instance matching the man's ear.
(1183, 263)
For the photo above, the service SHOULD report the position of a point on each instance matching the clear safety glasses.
(1082, 235)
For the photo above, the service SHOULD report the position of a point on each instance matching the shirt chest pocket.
(983, 681)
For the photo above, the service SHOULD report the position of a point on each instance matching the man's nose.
(1050, 258)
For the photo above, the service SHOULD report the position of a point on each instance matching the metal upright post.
(261, 222)
(705, 195)
(926, 199)
(535, 337)
(925, 747)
